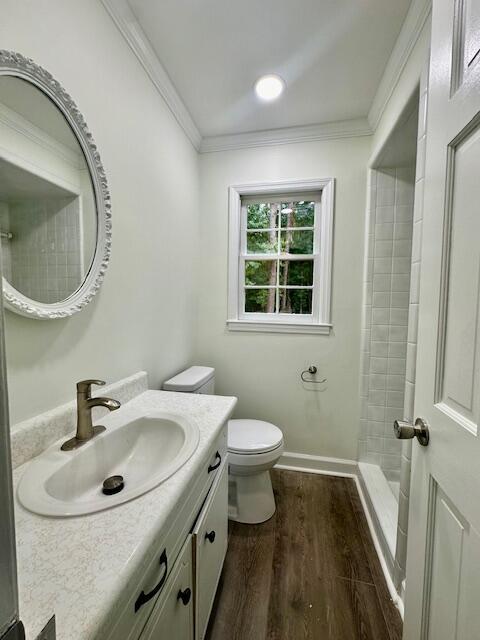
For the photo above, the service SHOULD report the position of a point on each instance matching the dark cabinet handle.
(210, 536)
(185, 596)
(143, 598)
(212, 467)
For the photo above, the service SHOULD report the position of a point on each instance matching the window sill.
(277, 327)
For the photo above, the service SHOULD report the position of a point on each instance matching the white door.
(443, 558)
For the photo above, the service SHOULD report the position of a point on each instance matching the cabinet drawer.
(210, 539)
(172, 616)
(217, 457)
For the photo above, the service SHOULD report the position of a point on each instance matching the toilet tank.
(193, 380)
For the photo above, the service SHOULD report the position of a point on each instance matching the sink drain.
(112, 485)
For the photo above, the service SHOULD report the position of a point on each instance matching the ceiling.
(331, 54)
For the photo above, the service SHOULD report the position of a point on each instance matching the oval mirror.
(55, 227)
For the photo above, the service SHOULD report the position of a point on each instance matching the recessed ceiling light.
(269, 87)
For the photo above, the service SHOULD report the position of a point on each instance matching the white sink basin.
(145, 451)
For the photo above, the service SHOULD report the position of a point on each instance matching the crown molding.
(287, 135)
(129, 27)
(412, 27)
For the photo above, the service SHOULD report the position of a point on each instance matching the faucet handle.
(84, 385)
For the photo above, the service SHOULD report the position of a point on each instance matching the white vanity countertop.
(77, 568)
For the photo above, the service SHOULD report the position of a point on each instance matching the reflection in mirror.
(48, 222)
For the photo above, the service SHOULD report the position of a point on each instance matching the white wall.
(143, 316)
(263, 370)
(406, 86)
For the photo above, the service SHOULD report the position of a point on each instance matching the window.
(280, 250)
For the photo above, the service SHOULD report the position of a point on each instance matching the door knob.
(406, 431)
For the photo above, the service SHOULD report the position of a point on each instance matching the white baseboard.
(306, 463)
(318, 464)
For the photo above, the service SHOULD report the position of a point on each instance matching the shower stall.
(390, 305)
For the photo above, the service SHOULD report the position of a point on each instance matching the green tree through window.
(276, 279)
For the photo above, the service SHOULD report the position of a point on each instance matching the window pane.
(296, 242)
(262, 242)
(296, 301)
(259, 272)
(298, 214)
(262, 215)
(296, 272)
(260, 300)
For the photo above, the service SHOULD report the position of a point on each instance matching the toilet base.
(250, 498)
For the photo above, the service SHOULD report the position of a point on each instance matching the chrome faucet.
(85, 403)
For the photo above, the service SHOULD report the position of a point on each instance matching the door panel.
(465, 41)
(459, 359)
(469, 611)
(447, 529)
(472, 32)
(454, 580)
(443, 553)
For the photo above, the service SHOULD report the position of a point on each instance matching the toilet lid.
(253, 436)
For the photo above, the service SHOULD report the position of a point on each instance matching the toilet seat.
(253, 437)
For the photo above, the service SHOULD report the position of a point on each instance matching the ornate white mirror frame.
(14, 64)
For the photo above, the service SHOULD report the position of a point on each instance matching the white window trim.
(319, 322)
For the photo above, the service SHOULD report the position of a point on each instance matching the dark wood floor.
(309, 573)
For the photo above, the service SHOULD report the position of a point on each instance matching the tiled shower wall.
(385, 322)
(44, 258)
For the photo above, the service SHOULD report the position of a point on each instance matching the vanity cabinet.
(183, 608)
(174, 597)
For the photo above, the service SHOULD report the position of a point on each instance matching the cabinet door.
(137, 603)
(210, 539)
(172, 616)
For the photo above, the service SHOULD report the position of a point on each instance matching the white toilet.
(254, 446)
